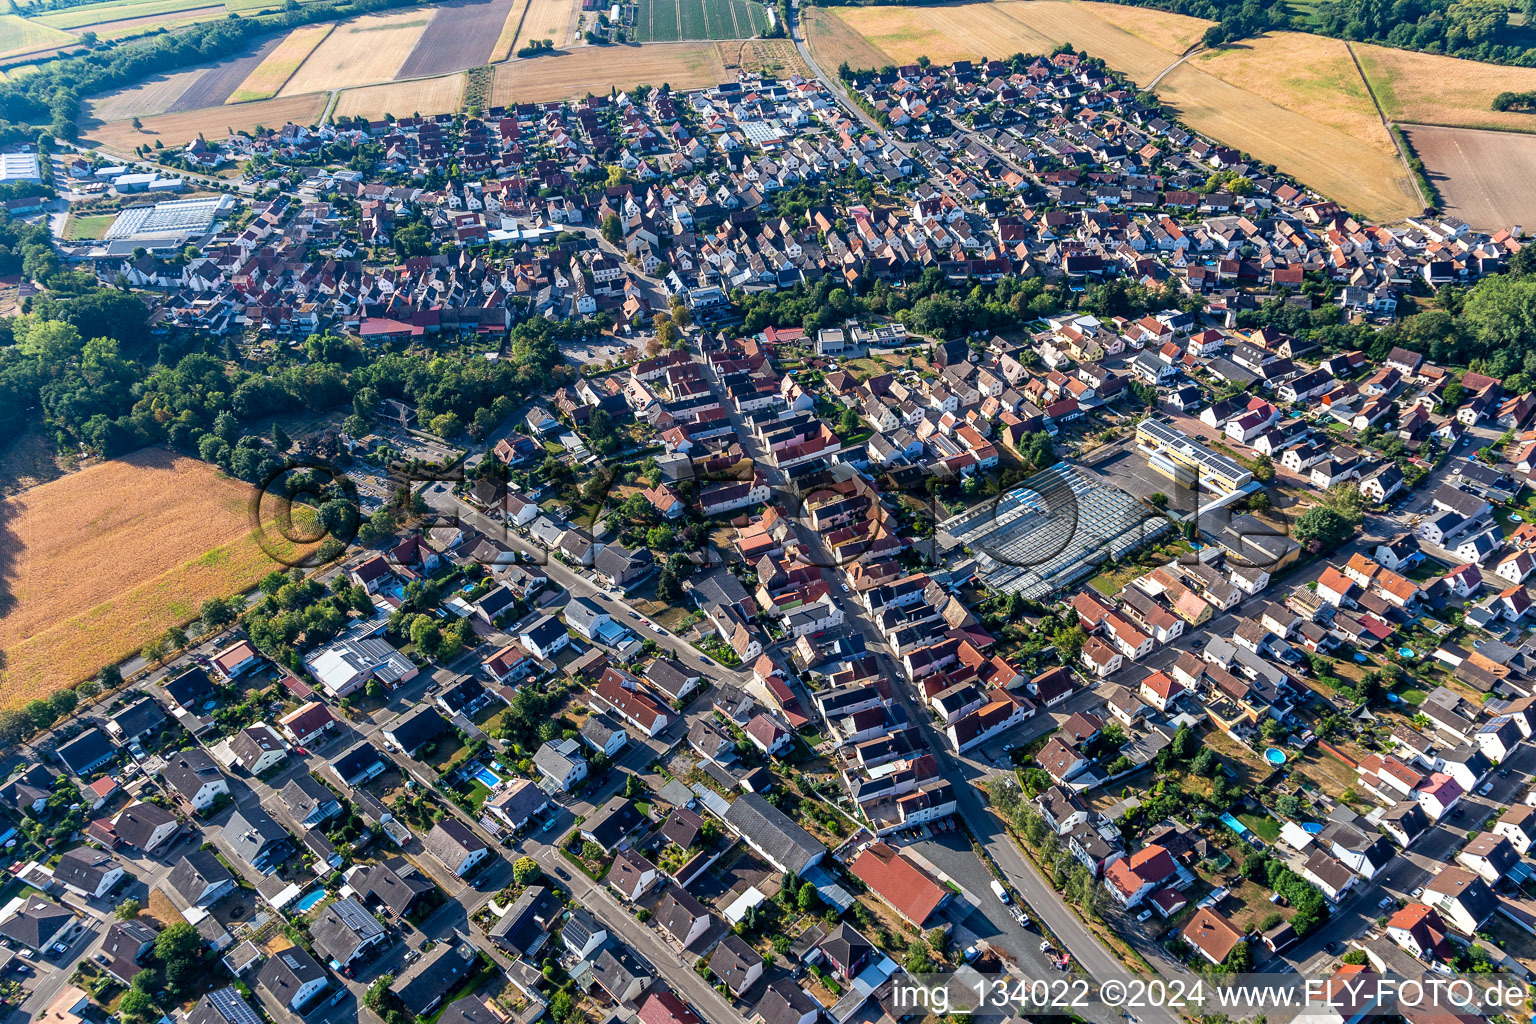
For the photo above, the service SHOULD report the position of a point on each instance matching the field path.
(1152, 85)
(1396, 144)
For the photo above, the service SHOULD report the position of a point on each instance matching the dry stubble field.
(279, 65)
(100, 561)
(594, 68)
(1426, 88)
(547, 19)
(421, 96)
(362, 52)
(1290, 99)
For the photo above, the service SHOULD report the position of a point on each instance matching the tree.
(136, 1005)
(1157, 499)
(1290, 805)
(526, 871)
(1322, 528)
(1185, 743)
(613, 228)
(128, 909)
(806, 899)
(217, 612)
(180, 949)
(918, 959)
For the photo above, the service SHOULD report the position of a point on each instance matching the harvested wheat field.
(593, 69)
(834, 43)
(181, 128)
(462, 35)
(1289, 99)
(439, 95)
(502, 48)
(279, 65)
(360, 52)
(1306, 74)
(1358, 168)
(1425, 88)
(1483, 177)
(1139, 42)
(154, 96)
(98, 562)
(547, 19)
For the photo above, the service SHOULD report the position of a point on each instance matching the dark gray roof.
(304, 794)
(355, 761)
(84, 867)
(223, 1006)
(196, 872)
(732, 960)
(188, 771)
(426, 982)
(469, 1010)
(140, 717)
(415, 729)
(283, 974)
(138, 822)
(89, 750)
(450, 841)
(768, 829)
(615, 971)
(254, 835)
(396, 885)
(36, 922)
(342, 928)
(617, 819)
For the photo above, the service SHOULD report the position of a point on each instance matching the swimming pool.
(1273, 756)
(1235, 825)
(1312, 828)
(308, 900)
(486, 777)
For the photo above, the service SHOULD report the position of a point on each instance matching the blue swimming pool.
(1275, 757)
(1312, 828)
(308, 900)
(1233, 824)
(486, 777)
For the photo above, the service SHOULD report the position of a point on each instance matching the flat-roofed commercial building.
(1186, 461)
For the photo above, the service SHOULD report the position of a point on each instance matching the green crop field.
(659, 21)
(87, 15)
(18, 35)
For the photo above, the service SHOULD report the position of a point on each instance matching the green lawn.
(1267, 828)
(89, 226)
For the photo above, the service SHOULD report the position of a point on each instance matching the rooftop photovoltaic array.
(1177, 443)
(1051, 530)
(231, 1007)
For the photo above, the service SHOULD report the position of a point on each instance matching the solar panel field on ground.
(669, 20)
(1051, 531)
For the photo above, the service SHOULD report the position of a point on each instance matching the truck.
(1000, 892)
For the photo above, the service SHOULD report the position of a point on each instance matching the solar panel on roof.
(232, 1007)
